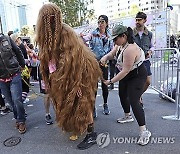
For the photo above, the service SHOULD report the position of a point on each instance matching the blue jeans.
(12, 91)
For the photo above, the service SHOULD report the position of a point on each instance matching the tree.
(75, 12)
(123, 14)
(25, 30)
(134, 9)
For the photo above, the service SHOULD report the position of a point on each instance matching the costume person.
(70, 72)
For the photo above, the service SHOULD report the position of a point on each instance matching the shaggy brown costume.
(76, 68)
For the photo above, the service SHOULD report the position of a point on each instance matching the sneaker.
(9, 108)
(95, 113)
(144, 137)
(88, 141)
(106, 110)
(22, 127)
(125, 119)
(26, 101)
(5, 111)
(48, 119)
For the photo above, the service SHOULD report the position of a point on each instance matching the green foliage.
(134, 9)
(123, 14)
(166, 55)
(74, 12)
(25, 30)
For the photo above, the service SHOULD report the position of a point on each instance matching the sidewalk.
(44, 139)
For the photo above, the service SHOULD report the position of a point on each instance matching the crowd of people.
(70, 72)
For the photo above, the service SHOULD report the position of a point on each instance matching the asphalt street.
(49, 139)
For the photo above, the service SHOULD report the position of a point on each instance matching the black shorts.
(147, 64)
(25, 84)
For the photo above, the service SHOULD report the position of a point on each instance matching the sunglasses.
(101, 22)
(139, 19)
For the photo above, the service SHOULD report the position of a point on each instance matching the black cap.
(103, 17)
(141, 15)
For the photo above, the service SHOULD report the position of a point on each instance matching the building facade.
(12, 14)
(117, 9)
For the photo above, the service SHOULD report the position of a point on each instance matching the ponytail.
(130, 37)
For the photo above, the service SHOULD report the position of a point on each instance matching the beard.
(138, 25)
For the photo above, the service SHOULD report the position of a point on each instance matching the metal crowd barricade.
(165, 66)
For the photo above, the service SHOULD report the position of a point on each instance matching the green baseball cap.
(118, 29)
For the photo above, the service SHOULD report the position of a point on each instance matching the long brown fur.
(77, 69)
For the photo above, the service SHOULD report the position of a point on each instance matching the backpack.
(9, 64)
(5, 44)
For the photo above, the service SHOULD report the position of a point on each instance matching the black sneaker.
(88, 141)
(5, 111)
(48, 119)
(9, 108)
(95, 113)
(106, 110)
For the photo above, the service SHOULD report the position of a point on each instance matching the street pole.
(1, 26)
(169, 26)
(167, 21)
